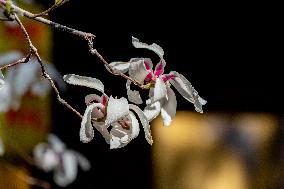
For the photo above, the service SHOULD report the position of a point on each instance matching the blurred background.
(227, 52)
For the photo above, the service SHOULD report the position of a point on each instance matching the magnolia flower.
(54, 156)
(23, 78)
(103, 112)
(161, 96)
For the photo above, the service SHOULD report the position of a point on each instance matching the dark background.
(227, 51)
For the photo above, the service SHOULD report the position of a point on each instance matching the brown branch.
(33, 51)
(55, 25)
(32, 48)
(47, 11)
(21, 61)
(95, 52)
(61, 100)
(88, 36)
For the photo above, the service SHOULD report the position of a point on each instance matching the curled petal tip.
(153, 47)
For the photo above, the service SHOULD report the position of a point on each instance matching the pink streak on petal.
(167, 77)
(149, 76)
(104, 100)
(147, 64)
(160, 69)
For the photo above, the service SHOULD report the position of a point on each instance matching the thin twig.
(33, 50)
(88, 36)
(95, 52)
(47, 11)
(32, 47)
(21, 61)
(55, 25)
(61, 100)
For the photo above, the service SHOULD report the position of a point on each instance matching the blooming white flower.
(54, 156)
(103, 112)
(23, 78)
(161, 96)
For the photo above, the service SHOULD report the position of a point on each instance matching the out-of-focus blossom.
(2, 82)
(2, 147)
(23, 78)
(54, 156)
(161, 96)
(103, 112)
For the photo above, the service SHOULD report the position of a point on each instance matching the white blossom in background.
(2, 82)
(108, 113)
(23, 78)
(2, 147)
(54, 156)
(162, 98)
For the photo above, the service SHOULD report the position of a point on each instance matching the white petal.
(83, 162)
(202, 101)
(66, 173)
(89, 99)
(120, 67)
(152, 110)
(116, 109)
(144, 121)
(86, 130)
(137, 70)
(10, 57)
(185, 88)
(102, 128)
(160, 90)
(134, 125)
(115, 142)
(133, 96)
(56, 144)
(45, 158)
(153, 47)
(168, 110)
(84, 81)
(119, 137)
